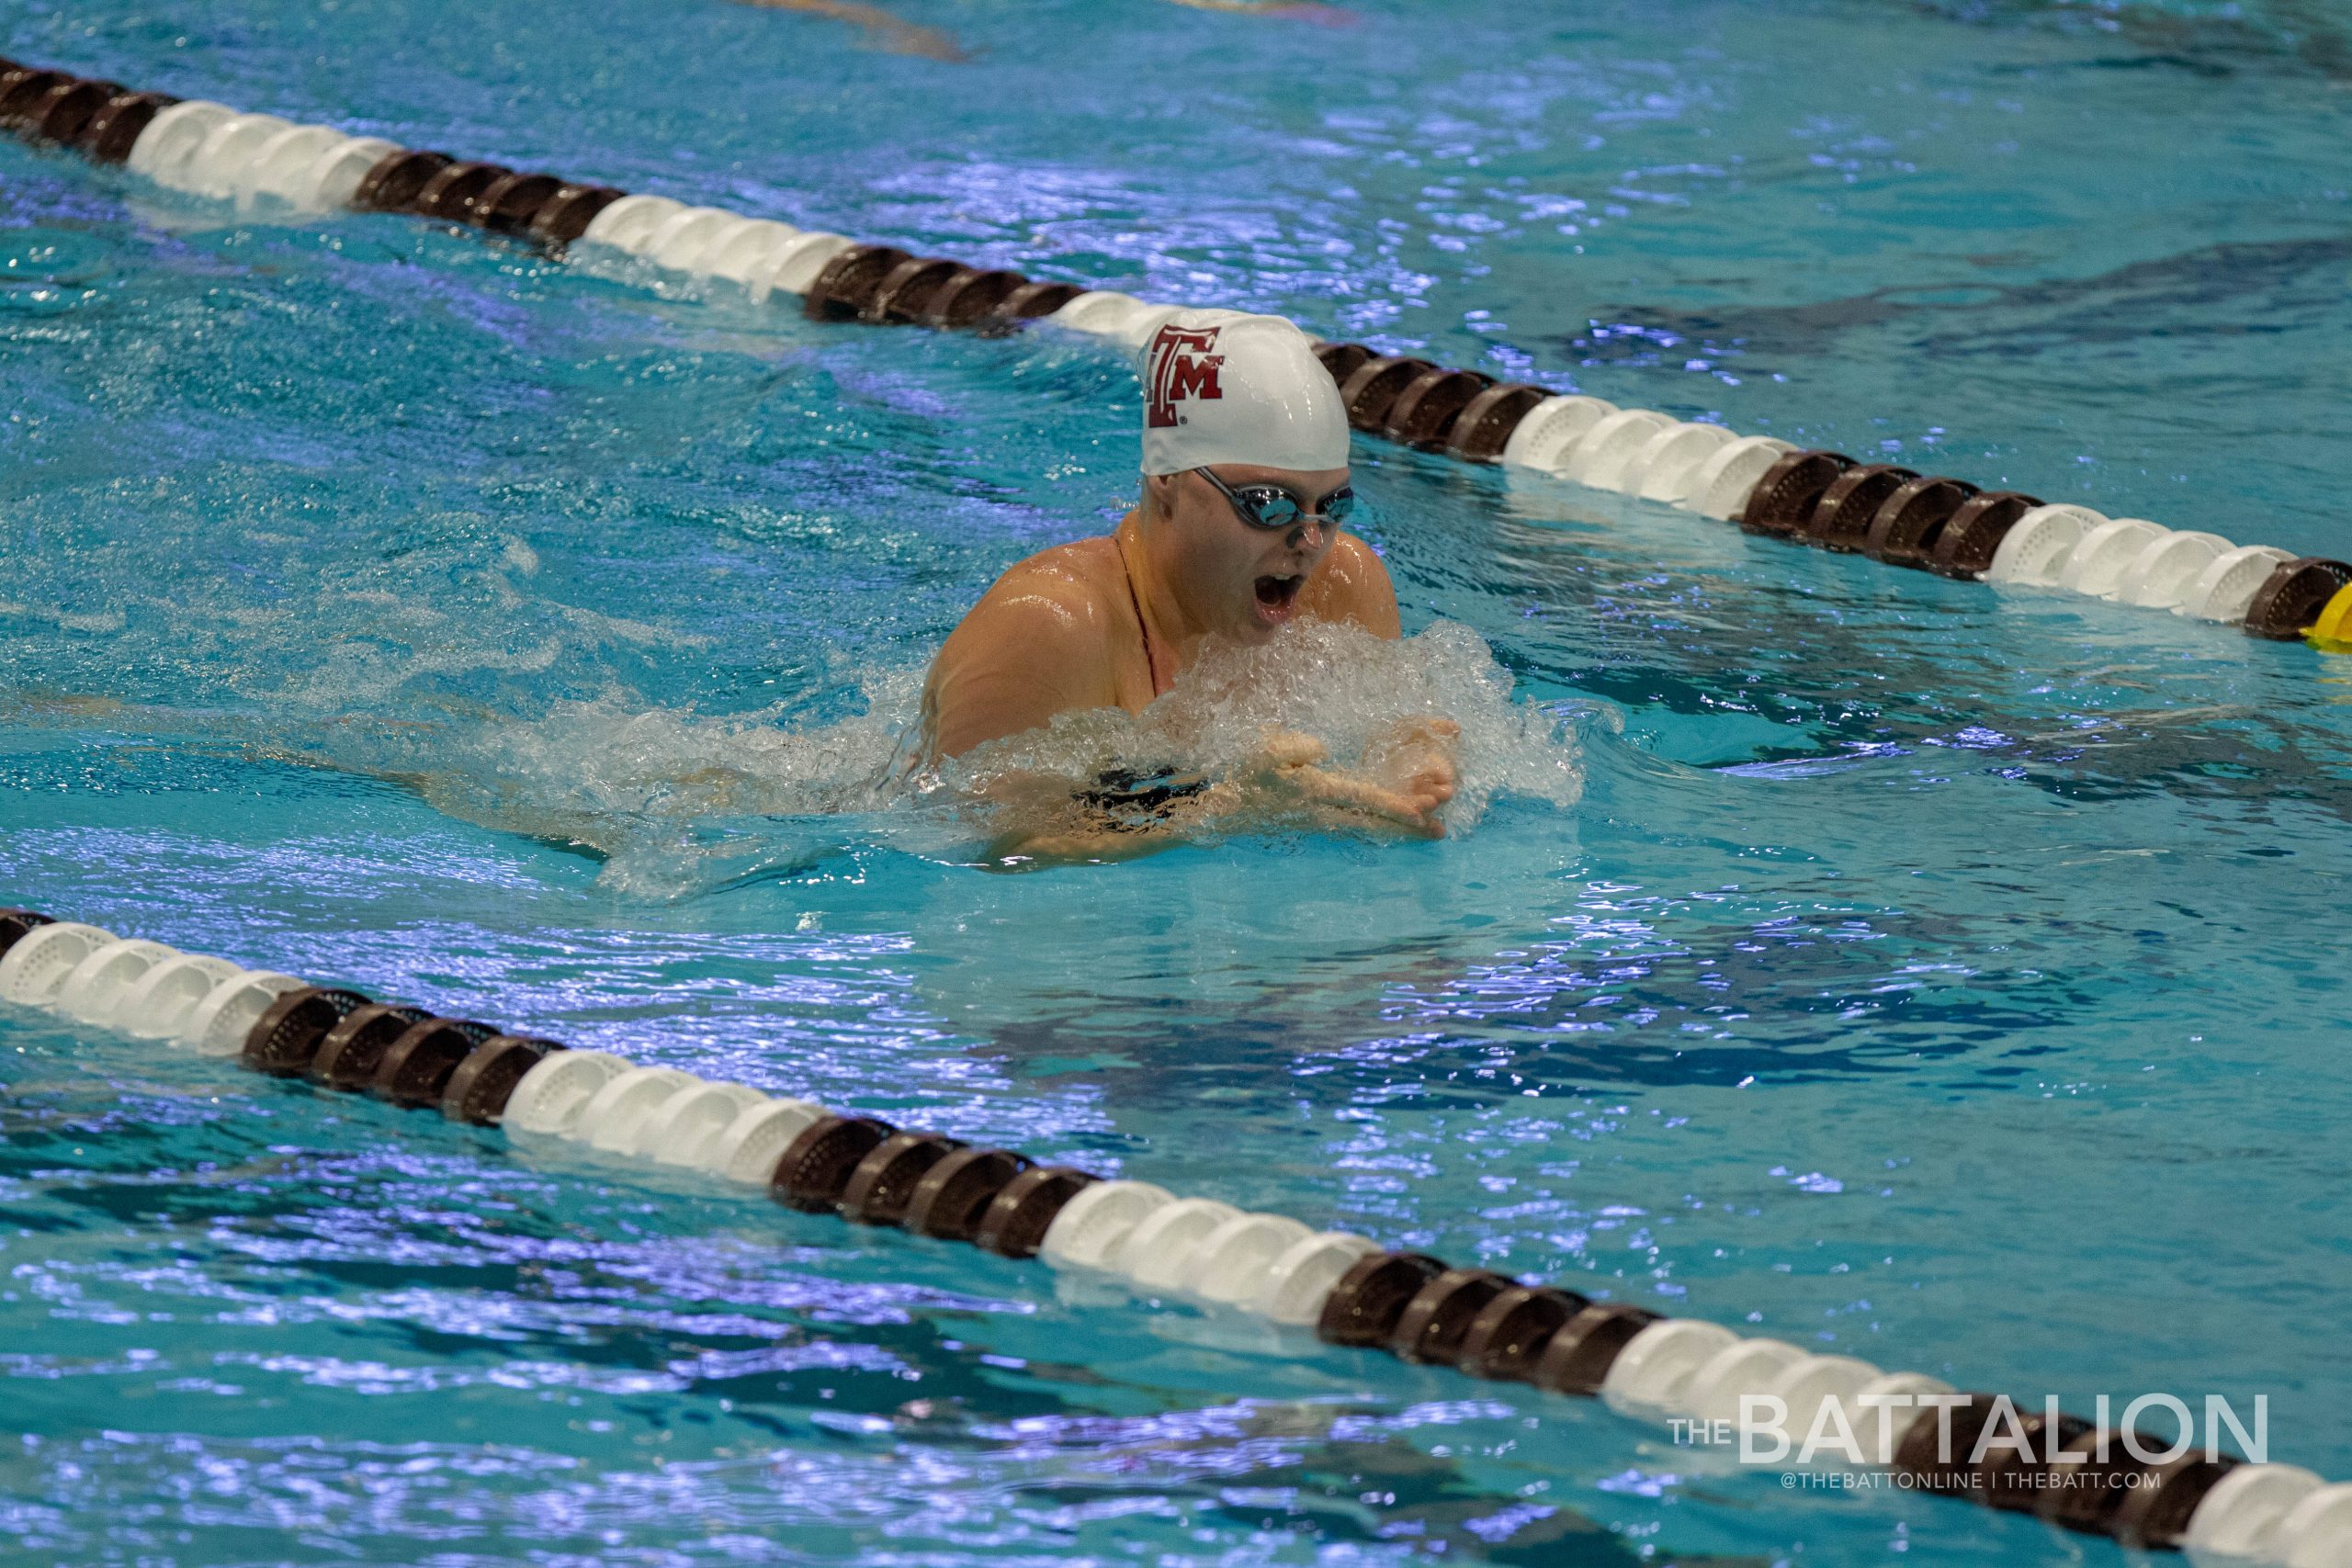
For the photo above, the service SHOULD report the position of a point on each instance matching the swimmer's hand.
(1411, 768)
(1420, 759)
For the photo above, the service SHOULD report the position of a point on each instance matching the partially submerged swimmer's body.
(1112, 622)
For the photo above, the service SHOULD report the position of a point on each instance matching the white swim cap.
(1219, 387)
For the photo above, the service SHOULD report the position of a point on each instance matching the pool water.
(1936, 974)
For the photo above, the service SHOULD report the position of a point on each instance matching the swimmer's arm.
(1034, 646)
(1030, 649)
(1284, 785)
(1168, 826)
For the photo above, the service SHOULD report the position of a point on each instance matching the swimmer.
(1237, 534)
(891, 33)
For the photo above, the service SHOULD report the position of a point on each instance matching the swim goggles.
(1270, 507)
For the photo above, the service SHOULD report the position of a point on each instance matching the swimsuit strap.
(1151, 661)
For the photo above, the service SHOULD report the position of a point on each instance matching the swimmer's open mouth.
(1277, 593)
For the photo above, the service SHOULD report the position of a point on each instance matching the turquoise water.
(1938, 975)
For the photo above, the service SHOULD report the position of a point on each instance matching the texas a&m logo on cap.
(1181, 367)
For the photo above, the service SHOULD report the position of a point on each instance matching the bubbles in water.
(1344, 688)
(675, 801)
(680, 803)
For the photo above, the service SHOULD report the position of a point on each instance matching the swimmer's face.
(1245, 581)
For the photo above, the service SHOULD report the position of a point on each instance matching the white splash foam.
(679, 803)
(1338, 684)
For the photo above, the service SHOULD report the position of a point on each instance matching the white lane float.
(1812, 1382)
(97, 984)
(1730, 474)
(682, 1128)
(2225, 588)
(735, 254)
(1744, 1369)
(280, 166)
(2037, 545)
(173, 136)
(2160, 575)
(2237, 1522)
(222, 161)
(1551, 429)
(1883, 1433)
(157, 1008)
(752, 1143)
(628, 220)
(333, 178)
(1298, 1282)
(1104, 312)
(1156, 1255)
(2317, 1532)
(1091, 1226)
(552, 1096)
(38, 964)
(2097, 563)
(1647, 1377)
(614, 1113)
(1600, 458)
(1667, 467)
(218, 1025)
(1231, 1262)
(795, 262)
(678, 241)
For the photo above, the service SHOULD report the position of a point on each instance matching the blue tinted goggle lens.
(1270, 506)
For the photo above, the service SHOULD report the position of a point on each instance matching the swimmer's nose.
(1309, 534)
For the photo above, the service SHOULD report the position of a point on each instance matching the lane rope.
(2132, 1486)
(267, 165)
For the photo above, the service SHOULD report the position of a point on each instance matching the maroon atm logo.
(1181, 366)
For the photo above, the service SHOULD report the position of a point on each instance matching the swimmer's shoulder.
(1050, 623)
(1072, 595)
(1040, 642)
(1352, 585)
